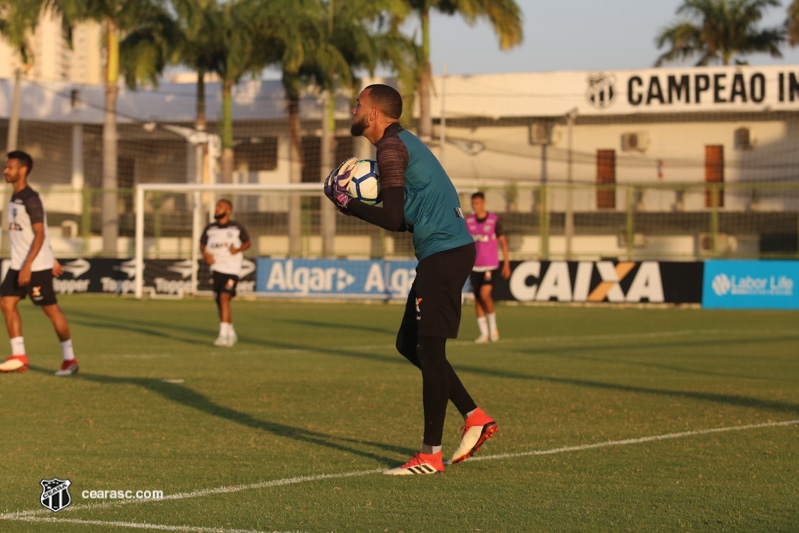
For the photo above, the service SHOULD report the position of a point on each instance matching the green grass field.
(287, 430)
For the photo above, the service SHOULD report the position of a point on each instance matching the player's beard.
(357, 128)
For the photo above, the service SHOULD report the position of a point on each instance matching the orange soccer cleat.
(477, 428)
(421, 463)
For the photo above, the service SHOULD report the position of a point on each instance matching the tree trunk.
(425, 80)
(227, 132)
(328, 215)
(110, 211)
(295, 204)
(200, 122)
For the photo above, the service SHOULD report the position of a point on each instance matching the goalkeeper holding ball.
(419, 197)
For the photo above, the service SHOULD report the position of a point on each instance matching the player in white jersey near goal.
(33, 267)
(223, 243)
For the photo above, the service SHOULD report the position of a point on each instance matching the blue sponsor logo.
(334, 277)
(751, 285)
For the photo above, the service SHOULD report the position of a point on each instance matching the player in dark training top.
(32, 267)
(419, 197)
(222, 244)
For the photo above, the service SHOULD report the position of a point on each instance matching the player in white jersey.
(32, 267)
(222, 244)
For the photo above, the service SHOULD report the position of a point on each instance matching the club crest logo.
(230, 283)
(55, 494)
(601, 90)
(418, 309)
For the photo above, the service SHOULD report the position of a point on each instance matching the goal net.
(282, 220)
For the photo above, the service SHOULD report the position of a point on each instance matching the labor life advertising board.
(751, 285)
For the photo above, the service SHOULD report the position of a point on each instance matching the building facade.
(54, 59)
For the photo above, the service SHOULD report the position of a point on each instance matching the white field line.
(640, 440)
(138, 525)
(198, 493)
(26, 515)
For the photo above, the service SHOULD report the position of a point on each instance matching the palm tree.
(248, 36)
(19, 20)
(504, 15)
(180, 35)
(117, 17)
(719, 30)
(793, 23)
(340, 38)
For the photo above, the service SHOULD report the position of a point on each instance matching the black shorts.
(478, 279)
(40, 288)
(433, 308)
(225, 283)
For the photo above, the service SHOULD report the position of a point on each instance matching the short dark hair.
(479, 194)
(228, 202)
(23, 157)
(387, 99)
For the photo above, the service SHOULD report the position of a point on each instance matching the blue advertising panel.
(339, 278)
(751, 285)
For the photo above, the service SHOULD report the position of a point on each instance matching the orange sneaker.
(68, 368)
(15, 363)
(477, 428)
(421, 463)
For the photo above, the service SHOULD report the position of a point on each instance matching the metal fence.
(548, 221)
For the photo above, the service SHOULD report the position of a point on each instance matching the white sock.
(18, 346)
(482, 323)
(66, 349)
(492, 321)
(230, 330)
(429, 449)
(224, 328)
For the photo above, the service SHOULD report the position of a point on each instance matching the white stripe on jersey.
(21, 235)
(218, 239)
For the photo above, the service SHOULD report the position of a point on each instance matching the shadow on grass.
(150, 328)
(190, 398)
(726, 399)
(661, 366)
(687, 343)
(136, 329)
(339, 327)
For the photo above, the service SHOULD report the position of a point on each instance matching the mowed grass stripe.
(24, 515)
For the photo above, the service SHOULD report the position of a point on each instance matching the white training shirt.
(24, 210)
(217, 239)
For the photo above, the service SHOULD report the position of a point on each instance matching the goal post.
(195, 193)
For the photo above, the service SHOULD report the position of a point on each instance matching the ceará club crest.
(601, 90)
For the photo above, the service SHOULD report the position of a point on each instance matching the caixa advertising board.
(631, 282)
(530, 281)
(751, 285)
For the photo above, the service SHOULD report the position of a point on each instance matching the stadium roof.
(493, 96)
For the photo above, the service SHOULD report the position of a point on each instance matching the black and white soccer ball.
(365, 182)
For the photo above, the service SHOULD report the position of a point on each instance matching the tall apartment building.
(53, 59)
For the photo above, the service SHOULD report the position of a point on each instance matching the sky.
(571, 35)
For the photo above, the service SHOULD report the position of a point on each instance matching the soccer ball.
(365, 182)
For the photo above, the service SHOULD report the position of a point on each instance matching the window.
(259, 155)
(312, 152)
(606, 174)
(714, 173)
